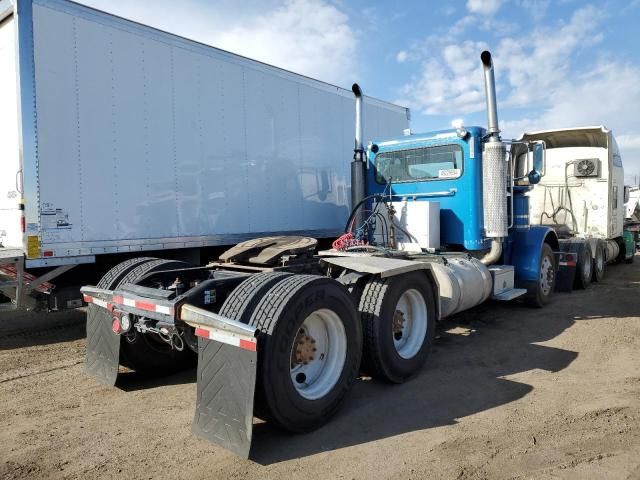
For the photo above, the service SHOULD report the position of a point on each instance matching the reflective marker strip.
(220, 336)
(142, 305)
(98, 302)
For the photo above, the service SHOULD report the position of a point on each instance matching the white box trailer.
(116, 137)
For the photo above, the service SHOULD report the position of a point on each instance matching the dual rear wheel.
(312, 338)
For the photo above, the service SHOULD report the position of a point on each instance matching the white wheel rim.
(316, 379)
(409, 338)
(546, 276)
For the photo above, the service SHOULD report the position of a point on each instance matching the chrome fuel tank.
(463, 282)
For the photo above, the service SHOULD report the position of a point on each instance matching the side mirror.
(539, 159)
(627, 193)
(539, 156)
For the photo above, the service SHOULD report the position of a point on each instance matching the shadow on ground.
(467, 373)
(463, 376)
(27, 329)
(132, 381)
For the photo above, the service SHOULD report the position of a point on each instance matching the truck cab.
(581, 197)
(443, 166)
(448, 168)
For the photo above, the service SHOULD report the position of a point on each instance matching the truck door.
(10, 174)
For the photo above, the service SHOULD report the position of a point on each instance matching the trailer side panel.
(10, 180)
(148, 141)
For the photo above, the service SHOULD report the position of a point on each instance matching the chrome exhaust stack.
(490, 94)
(357, 165)
(494, 170)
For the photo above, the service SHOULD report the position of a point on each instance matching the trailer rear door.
(10, 181)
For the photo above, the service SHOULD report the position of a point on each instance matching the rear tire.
(147, 353)
(311, 318)
(584, 269)
(103, 346)
(541, 293)
(407, 299)
(242, 301)
(112, 278)
(599, 263)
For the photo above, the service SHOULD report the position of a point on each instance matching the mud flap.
(103, 346)
(226, 385)
(567, 265)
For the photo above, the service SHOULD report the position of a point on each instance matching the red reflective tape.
(118, 299)
(248, 345)
(201, 332)
(150, 307)
(88, 299)
(48, 253)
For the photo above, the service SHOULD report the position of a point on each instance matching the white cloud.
(528, 67)
(537, 72)
(306, 36)
(607, 95)
(310, 37)
(449, 82)
(484, 7)
(536, 8)
(402, 56)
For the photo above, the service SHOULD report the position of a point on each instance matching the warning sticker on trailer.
(54, 219)
(33, 246)
(55, 225)
(449, 173)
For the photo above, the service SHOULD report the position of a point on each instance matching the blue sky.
(559, 63)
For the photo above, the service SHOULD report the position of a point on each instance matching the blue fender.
(523, 249)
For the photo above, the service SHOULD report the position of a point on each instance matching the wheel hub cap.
(398, 324)
(305, 349)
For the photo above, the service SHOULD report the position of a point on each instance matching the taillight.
(23, 224)
(115, 326)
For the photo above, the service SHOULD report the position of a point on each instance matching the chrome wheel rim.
(546, 276)
(409, 325)
(318, 354)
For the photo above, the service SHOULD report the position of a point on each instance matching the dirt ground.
(509, 392)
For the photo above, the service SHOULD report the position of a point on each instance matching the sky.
(558, 63)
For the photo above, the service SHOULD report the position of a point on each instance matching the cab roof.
(595, 136)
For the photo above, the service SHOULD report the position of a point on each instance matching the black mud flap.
(103, 346)
(226, 385)
(567, 265)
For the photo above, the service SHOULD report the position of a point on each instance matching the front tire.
(398, 318)
(541, 293)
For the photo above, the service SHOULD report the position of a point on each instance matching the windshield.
(419, 164)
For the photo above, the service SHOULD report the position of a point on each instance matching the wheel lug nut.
(315, 349)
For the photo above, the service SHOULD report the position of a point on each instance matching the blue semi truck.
(281, 331)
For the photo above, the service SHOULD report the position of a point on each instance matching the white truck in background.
(632, 209)
(117, 138)
(582, 196)
(632, 204)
